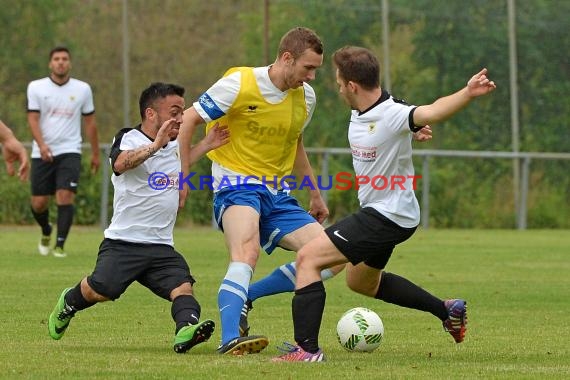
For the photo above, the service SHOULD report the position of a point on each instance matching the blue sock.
(281, 280)
(231, 297)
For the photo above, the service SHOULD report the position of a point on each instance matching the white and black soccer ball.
(360, 329)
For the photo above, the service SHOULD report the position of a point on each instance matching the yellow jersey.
(264, 136)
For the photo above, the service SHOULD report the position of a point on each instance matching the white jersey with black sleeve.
(381, 143)
(144, 211)
(60, 108)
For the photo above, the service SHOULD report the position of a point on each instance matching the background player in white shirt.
(380, 135)
(13, 151)
(138, 244)
(56, 106)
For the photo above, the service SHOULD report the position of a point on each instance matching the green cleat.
(58, 252)
(60, 317)
(43, 245)
(191, 335)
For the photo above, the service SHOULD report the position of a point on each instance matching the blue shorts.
(279, 214)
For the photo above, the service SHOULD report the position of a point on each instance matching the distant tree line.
(435, 46)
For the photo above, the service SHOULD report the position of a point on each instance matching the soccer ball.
(360, 329)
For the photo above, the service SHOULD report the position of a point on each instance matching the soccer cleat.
(191, 335)
(58, 252)
(244, 345)
(243, 325)
(60, 317)
(43, 245)
(294, 353)
(456, 323)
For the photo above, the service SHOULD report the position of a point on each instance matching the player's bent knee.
(183, 290)
(92, 296)
(302, 259)
(105, 292)
(360, 287)
(306, 261)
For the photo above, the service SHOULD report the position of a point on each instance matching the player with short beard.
(57, 105)
(139, 244)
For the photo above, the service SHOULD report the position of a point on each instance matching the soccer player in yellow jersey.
(266, 110)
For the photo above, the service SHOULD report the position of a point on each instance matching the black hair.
(155, 91)
(59, 49)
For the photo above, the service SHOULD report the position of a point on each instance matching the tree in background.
(432, 44)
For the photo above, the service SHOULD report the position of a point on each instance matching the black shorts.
(156, 266)
(367, 236)
(61, 173)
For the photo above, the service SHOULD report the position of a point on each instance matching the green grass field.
(516, 283)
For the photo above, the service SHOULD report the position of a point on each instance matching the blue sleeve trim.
(210, 107)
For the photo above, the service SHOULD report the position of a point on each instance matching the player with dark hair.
(380, 135)
(138, 244)
(56, 106)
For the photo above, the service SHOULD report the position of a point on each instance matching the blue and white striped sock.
(281, 280)
(231, 297)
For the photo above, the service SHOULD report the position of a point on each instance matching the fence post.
(325, 174)
(425, 192)
(103, 215)
(522, 214)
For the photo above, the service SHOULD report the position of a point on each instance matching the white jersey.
(381, 143)
(60, 108)
(224, 93)
(141, 212)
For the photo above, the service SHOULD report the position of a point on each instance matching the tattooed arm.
(129, 159)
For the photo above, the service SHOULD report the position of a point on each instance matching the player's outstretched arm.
(445, 107)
